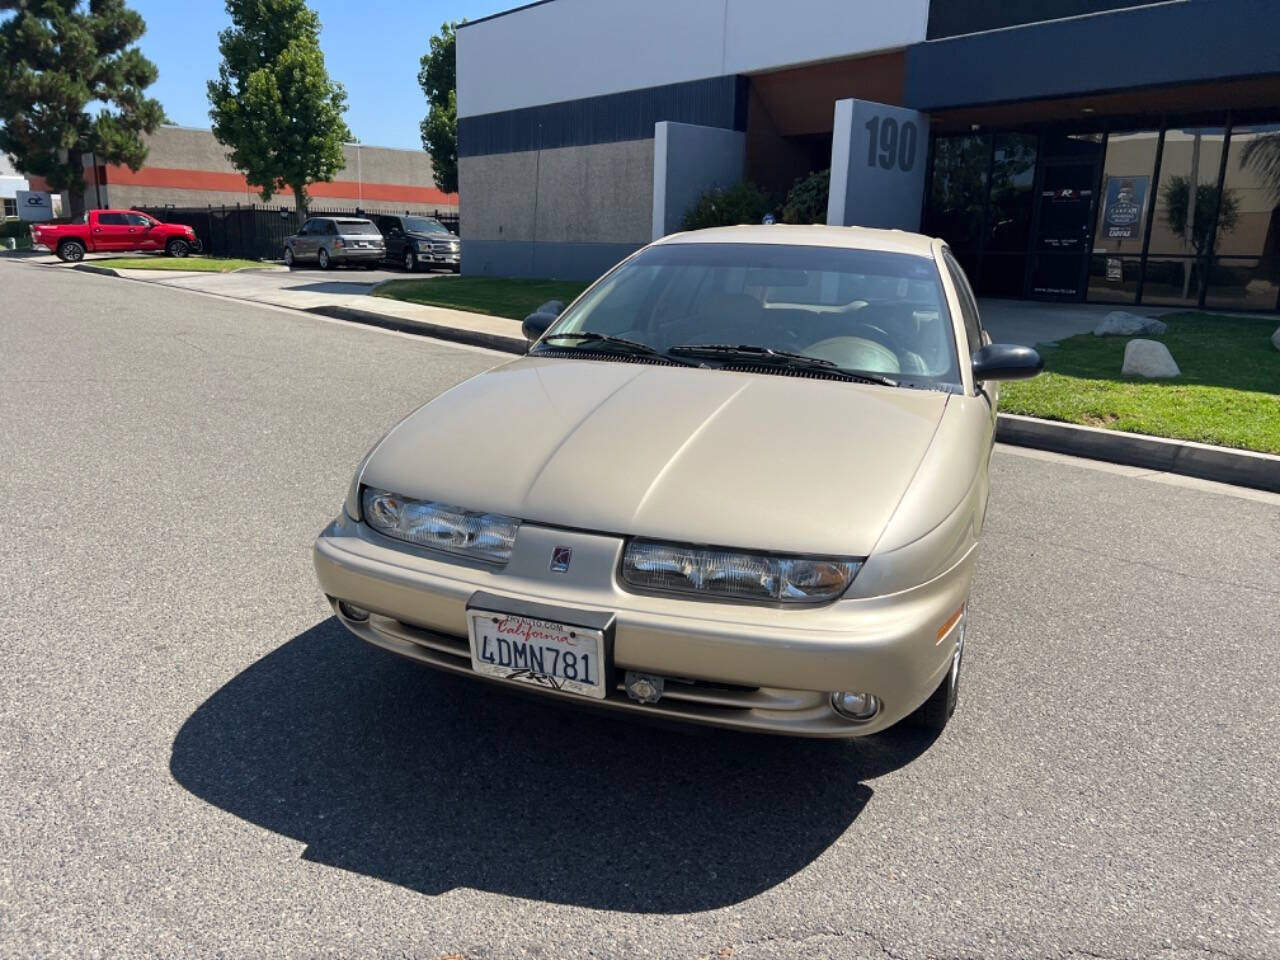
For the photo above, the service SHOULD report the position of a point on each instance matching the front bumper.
(731, 665)
(194, 243)
(440, 258)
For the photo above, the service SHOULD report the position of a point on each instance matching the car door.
(304, 242)
(392, 230)
(109, 231)
(142, 232)
(974, 334)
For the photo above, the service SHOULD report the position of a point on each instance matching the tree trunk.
(74, 205)
(300, 199)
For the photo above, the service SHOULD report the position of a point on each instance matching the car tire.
(177, 248)
(71, 251)
(935, 712)
(288, 258)
(455, 269)
(410, 261)
(322, 258)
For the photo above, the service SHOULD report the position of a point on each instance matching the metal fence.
(255, 232)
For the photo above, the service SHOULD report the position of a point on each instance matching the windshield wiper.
(768, 356)
(621, 344)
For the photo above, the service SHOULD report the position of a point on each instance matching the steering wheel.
(871, 331)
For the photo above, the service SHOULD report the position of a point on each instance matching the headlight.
(466, 533)
(734, 575)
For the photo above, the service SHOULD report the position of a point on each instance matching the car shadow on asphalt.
(391, 770)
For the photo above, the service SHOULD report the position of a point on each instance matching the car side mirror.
(535, 325)
(1006, 361)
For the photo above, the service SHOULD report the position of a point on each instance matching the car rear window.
(358, 228)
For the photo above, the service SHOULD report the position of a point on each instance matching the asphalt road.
(196, 760)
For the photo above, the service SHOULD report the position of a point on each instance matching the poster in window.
(1123, 209)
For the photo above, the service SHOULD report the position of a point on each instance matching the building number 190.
(891, 145)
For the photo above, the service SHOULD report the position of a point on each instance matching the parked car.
(333, 241)
(739, 481)
(114, 231)
(415, 242)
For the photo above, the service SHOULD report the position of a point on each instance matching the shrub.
(807, 200)
(742, 203)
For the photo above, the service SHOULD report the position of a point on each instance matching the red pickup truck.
(114, 231)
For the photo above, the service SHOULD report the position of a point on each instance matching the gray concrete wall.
(568, 213)
(687, 161)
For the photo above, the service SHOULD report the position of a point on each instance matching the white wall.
(570, 49)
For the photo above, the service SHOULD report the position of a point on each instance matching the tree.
(439, 81)
(56, 58)
(273, 104)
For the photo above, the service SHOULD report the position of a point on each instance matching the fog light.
(352, 612)
(855, 707)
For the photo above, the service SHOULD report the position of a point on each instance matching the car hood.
(431, 236)
(695, 455)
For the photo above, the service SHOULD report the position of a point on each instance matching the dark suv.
(415, 242)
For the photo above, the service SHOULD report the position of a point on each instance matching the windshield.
(358, 228)
(424, 225)
(862, 310)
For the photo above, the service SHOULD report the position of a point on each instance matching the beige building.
(187, 167)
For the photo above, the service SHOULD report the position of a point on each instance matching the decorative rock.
(1123, 324)
(1150, 359)
(1275, 339)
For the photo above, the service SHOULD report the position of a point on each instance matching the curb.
(474, 338)
(90, 268)
(1241, 468)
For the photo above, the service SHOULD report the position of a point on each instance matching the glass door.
(1063, 230)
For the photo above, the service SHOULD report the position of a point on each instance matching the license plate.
(540, 652)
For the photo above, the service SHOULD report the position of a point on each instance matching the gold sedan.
(740, 481)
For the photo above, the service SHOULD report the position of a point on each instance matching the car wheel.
(288, 257)
(71, 251)
(177, 248)
(410, 261)
(323, 258)
(457, 269)
(937, 710)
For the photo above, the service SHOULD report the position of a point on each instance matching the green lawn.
(157, 262)
(1228, 394)
(496, 296)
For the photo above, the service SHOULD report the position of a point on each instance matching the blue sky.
(371, 46)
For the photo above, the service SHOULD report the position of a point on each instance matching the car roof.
(816, 235)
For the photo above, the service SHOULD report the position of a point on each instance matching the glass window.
(968, 305)
(1244, 283)
(138, 220)
(10, 207)
(424, 225)
(863, 310)
(958, 193)
(1173, 281)
(1249, 213)
(1191, 156)
(1126, 192)
(112, 220)
(1113, 279)
(1003, 275)
(1013, 175)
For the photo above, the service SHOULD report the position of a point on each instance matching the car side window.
(968, 305)
(138, 220)
(330, 228)
(112, 220)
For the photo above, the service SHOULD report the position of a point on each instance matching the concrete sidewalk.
(344, 295)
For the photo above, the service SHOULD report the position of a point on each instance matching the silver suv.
(332, 241)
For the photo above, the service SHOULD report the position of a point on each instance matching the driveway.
(195, 759)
